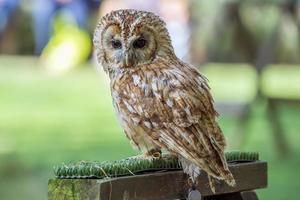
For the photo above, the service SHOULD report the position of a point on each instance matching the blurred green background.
(47, 120)
(54, 111)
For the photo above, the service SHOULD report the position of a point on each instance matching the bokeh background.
(55, 104)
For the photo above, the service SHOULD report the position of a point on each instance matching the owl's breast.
(139, 98)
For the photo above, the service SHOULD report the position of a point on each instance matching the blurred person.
(174, 12)
(61, 34)
(44, 12)
(6, 9)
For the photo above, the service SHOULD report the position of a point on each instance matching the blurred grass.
(48, 120)
(240, 78)
(282, 81)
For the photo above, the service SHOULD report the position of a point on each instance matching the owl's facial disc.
(130, 51)
(131, 39)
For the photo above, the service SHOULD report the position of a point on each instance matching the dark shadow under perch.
(154, 180)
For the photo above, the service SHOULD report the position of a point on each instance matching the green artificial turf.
(133, 166)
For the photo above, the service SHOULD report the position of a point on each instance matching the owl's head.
(129, 38)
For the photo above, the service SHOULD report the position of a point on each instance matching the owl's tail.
(215, 171)
(223, 174)
(226, 175)
(189, 168)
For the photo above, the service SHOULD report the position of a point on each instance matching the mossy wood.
(156, 182)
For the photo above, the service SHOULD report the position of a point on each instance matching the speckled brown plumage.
(161, 102)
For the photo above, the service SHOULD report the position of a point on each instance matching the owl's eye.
(139, 43)
(116, 44)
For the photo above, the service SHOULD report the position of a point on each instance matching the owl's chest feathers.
(157, 95)
(141, 94)
(137, 88)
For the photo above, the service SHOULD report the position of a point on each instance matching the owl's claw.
(192, 183)
(149, 155)
(138, 157)
(154, 154)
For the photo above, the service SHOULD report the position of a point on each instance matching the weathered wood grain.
(157, 186)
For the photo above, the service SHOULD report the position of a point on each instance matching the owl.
(162, 103)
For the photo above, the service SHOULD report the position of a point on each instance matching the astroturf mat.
(134, 166)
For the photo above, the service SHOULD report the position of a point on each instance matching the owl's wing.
(174, 107)
(168, 97)
(188, 120)
(182, 98)
(194, 107)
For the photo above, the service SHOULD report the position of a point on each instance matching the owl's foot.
(154, 153)
(138, 157)
(192, 183)
(149, 155)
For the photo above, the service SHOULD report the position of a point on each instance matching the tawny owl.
(162, 103)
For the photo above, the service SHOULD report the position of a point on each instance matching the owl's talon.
(192, 183)
(137, 157)
(154, 154)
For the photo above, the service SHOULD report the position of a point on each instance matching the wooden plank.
(172, 185)
(249, 195)
(160, 185)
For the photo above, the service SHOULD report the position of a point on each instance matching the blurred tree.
(17, 37)
(246, 31)
(7, 7)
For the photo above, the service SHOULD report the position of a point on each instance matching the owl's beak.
(128, 60)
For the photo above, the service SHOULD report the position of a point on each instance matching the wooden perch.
(161, 185)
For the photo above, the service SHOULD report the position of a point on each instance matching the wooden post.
(161, 185)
